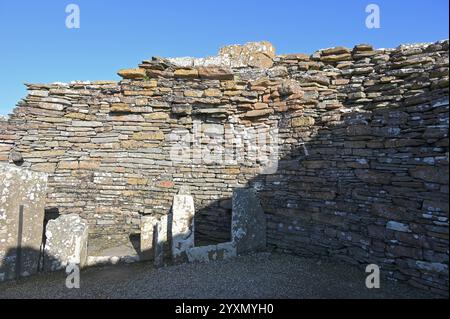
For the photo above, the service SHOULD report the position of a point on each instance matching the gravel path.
(263, 275)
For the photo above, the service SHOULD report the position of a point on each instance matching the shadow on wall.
(371, 188)
(135, 240)
(206, 230)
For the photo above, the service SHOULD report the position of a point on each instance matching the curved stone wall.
(362, 157)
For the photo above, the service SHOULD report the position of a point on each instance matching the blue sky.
(36, 46)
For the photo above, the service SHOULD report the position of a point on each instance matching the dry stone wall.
(362, 171)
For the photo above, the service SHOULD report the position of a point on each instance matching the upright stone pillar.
(161, 241)
(22, 205)
(148, 224)
(248, 224)
(183, 212)
(66, 242)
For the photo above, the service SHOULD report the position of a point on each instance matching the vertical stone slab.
(248, 224)
(21, 187)
(161, 240)
(148, 224)
(66, 243)
(183, 212)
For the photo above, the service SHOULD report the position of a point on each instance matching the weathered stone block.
(152, 136)
(439, 268)
(193, 93)
(183, 212)
(212, 252)
(66, 243)
(336, 58)
(127, 118)
(212, 93)
(258, 113)
(120, 107)
(22, 204)
(157, 116)
(182, 109)
(44, 167)
(260, 106)
(132, 73)
(89, 165)
(215, 73)
(290, 87)
(431, 174)
(372, 176)
(248, 224)
(137, 181)
(165, 184)
(148, 224)
(87, 123)
(397, 226)
(303, 121)
(255, 54)
(335, 51)
(186, 73)
(68, 165)
(161, 240)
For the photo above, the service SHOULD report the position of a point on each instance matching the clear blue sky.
(35, 45)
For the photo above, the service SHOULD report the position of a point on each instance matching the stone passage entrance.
(213, 223)
(175, 233)
(49, 214)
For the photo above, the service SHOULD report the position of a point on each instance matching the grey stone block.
(212, 252)
(161, 241)
(20, 241)
(67, 240)
(148, 224)
(248, 225)
(182, 226)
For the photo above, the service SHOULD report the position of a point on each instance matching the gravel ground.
(263, 275)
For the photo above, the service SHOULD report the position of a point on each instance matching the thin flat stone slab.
(161, 240)
(248, 223)
(211, 252)
(67, 240)
(182, 226)
(148, 224)
(21, 240)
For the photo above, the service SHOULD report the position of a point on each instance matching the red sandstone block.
(165, 184)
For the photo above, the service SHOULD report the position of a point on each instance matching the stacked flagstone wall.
(362, 135)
